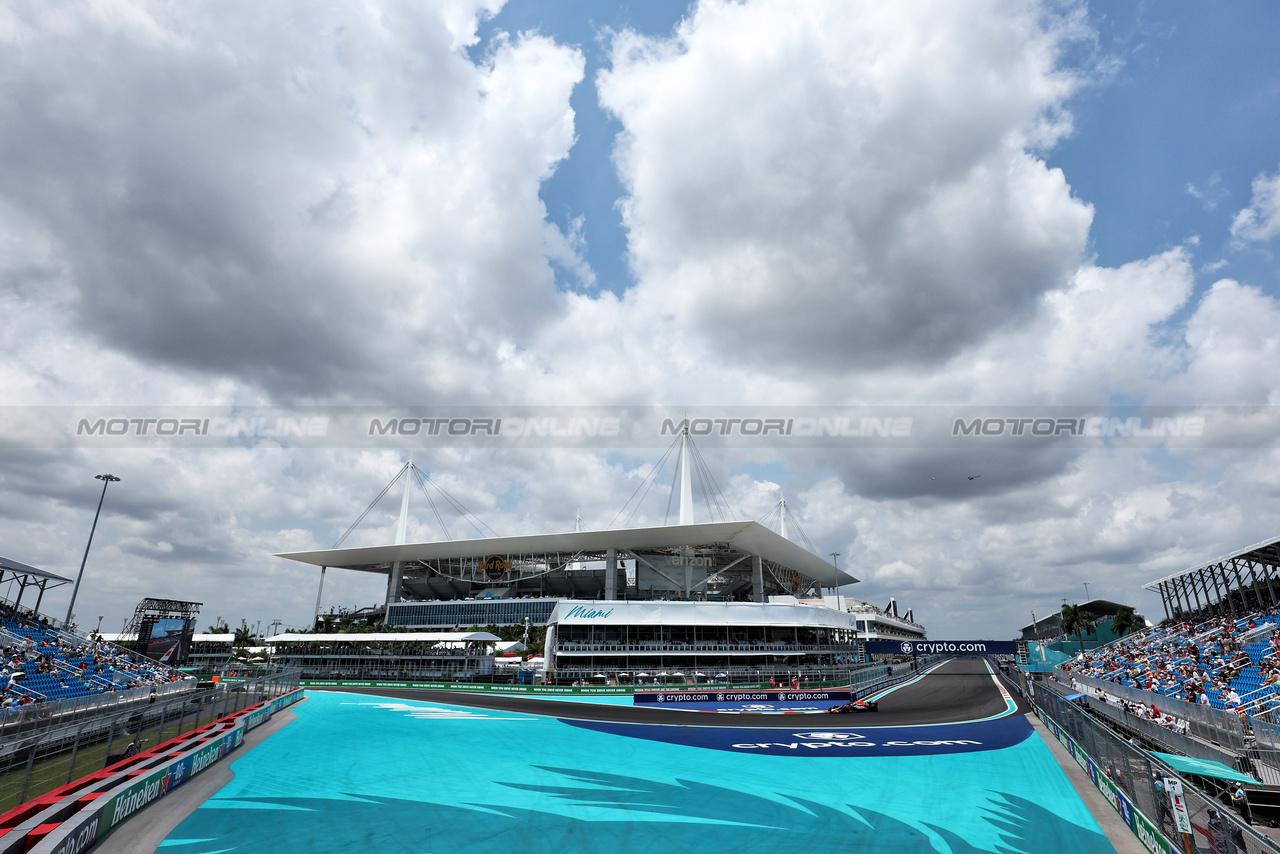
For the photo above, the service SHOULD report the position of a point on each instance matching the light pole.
(1086, 590)
(107, 480)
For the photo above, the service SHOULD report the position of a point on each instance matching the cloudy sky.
(764, 207)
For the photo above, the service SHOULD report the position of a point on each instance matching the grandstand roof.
(1266, 551)
(23, 569)
(358, 637)
(749, 537)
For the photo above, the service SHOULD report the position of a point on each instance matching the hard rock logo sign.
(495, 567)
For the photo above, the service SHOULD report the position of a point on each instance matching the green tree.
(244, 635)
(1076, 621)
(1127, 622)
(515, 632)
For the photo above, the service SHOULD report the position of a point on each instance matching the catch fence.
(34, 763)
(1134, 772)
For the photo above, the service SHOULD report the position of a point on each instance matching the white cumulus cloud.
(1260, 221)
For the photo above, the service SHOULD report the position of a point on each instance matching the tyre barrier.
(74, 818)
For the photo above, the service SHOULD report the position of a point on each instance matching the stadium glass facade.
(470, 612)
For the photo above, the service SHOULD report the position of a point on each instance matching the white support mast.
(686, 481)
(402, 528)
(782, 514)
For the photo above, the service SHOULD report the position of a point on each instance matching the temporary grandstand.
(1205, 683)
(1241, 581)
(209, 653)
(385, 655)
(51, 673)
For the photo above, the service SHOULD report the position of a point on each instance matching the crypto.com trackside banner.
(972, 647)
(959, 427)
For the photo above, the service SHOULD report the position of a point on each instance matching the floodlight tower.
(107, 480)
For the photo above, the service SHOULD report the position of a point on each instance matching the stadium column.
(393, 588)
(1266, 574)
(611, 574)
(757, 578)
(1253, 580)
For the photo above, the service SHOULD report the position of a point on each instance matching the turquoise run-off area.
(356, 773)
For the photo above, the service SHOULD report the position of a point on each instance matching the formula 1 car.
(854, 706)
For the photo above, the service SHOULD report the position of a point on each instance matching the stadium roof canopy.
(746, 537)
(216, 637)
(29, 576)
(1244, 580)
(14, 566)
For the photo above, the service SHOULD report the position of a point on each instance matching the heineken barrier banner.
(141, 793)
(284, 700)
(261, 716)
(763, 695)
(1148, 834)
(137, 795)
(944, 647)
(255, 719)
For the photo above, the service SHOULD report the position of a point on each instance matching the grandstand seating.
(1215, 657)
(44, 664)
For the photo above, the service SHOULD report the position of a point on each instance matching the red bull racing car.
(854, 706)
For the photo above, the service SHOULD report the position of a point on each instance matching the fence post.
(111, 737)
(71, 766)
(26, 776)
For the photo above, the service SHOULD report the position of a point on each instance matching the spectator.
(1241, 804)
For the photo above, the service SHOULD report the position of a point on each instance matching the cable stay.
(689, 466)
(780, 517)
(423, 480)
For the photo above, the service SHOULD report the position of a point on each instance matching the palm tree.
(244, 635)
(1127, 622)
(1076, 621)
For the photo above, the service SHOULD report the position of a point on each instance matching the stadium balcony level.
(696, 649)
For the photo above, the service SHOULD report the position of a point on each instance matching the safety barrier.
(1154, 733)
(74, 818)
(1215, 725)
